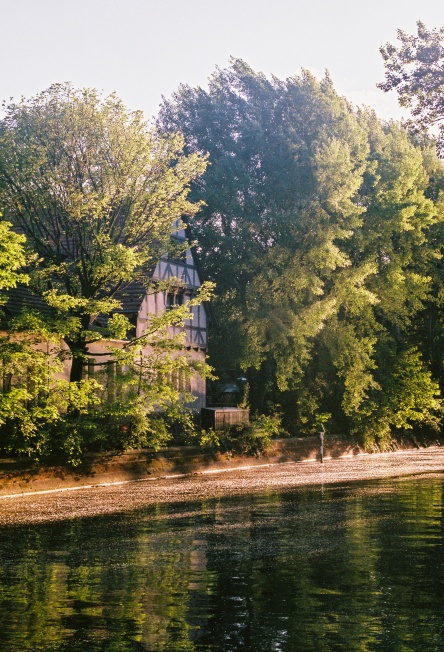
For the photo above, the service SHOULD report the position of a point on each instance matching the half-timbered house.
(138, 306)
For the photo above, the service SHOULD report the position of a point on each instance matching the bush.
(253, 438)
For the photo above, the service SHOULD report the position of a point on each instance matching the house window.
(180, 380)
(132, 318)
(173, 299)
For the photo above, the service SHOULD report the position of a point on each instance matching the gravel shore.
(93, 500)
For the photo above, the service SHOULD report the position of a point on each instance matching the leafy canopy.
(97, 193)
(320, 227)
(416, 71)
(93, 189)
(12, 257)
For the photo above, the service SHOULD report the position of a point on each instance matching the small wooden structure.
(221, 418)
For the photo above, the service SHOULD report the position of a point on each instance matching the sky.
(143, 49)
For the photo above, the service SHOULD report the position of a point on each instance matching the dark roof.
(23, 297)
(131, 297)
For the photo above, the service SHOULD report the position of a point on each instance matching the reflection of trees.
(309, 572)
(263, 593)
(357, 568)
(411, 567)
(120, 585)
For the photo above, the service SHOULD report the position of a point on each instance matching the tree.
(12, 258)
(285, 158)
(416, 71)
(19, 357)
(316, 230)
(96, 193)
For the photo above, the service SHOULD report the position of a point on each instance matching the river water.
(356, 566)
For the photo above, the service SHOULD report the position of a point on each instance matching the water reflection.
(358, 567)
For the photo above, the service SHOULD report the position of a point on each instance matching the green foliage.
(409, 399)
(322, 228)
(12, 258)
(97, 193)
(416, 71)
(253, 438)
(286, 162)
(43, 416)
(33, 401)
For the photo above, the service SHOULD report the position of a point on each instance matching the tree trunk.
(76, 373)
(78, 352)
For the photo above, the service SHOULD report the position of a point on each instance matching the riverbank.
(119, 495)
(18, 477)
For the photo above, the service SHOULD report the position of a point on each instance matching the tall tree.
(285, 158)
(96, 192)
(315, 228)
(416, 71)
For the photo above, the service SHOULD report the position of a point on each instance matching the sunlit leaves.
(98, 193)
(416, 71)
(12, 257)
(321, 228)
